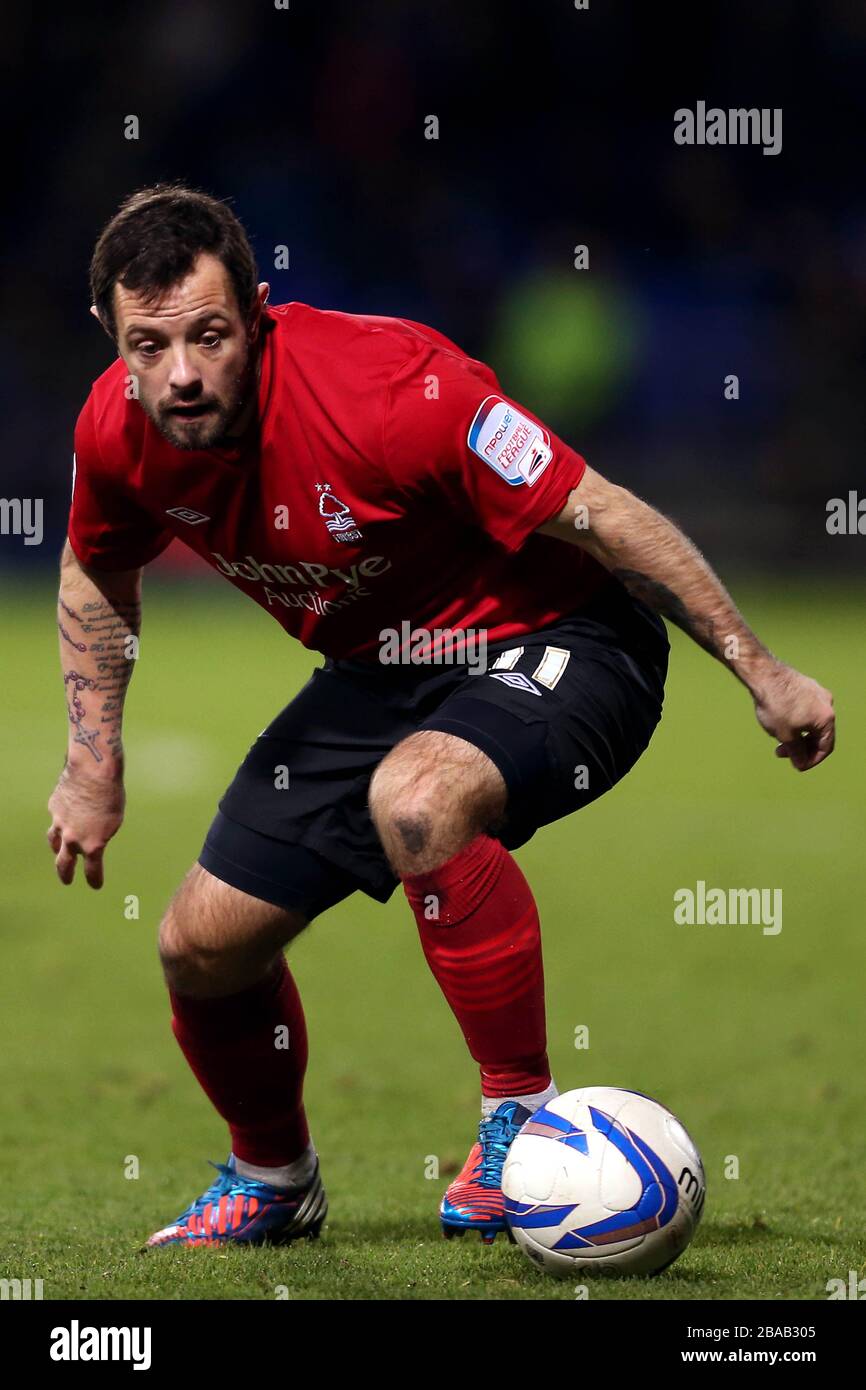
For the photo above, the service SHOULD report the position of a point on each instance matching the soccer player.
(375, 490)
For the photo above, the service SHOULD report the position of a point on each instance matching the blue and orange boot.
(474, 1200)
(240, 1211)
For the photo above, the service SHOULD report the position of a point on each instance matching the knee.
(419, 817)
(407, 813)
(215, 940)
(187, 960)
(430, 796)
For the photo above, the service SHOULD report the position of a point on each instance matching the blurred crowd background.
(555, 130)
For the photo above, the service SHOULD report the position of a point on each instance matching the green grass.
(756, 1041)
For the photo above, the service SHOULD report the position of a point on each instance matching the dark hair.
(153, 239)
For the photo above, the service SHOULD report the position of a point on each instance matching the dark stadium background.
(556, 128)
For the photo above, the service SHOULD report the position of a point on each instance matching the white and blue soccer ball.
(603, 1178)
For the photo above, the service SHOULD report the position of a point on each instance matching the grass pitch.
(756, 1041)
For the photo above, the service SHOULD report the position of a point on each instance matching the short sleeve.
(449, 428)
(107, 529)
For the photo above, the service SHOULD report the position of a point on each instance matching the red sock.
(484, 948)
(256, 1086)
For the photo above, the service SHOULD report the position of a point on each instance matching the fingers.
(93, 870)
(825, 743)
(65, 862)
(66, 855)
(810, 748)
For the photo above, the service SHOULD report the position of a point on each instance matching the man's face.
(191, 353)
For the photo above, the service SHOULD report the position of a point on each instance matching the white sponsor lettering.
(304, 572)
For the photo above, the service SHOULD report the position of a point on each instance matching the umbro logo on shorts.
(516, 680)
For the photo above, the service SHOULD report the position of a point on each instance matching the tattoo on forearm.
(79, 646)
(82, 734)
(99, 631)
(665, 601)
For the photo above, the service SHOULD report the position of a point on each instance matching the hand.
(86, 810)
(799, 712)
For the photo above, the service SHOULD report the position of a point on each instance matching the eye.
(147, 349)
(211, 339)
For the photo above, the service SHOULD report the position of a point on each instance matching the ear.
(264, 290)
(95, 312)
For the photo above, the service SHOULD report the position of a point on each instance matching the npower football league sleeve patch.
(514, 446)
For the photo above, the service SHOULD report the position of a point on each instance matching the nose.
(184, 378)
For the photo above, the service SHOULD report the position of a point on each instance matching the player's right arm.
(97, 615)
(111, 537)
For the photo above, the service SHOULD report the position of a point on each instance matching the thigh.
(261, 866)
(294, 826)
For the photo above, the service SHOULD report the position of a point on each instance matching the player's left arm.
(660, 566)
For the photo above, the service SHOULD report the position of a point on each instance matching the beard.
(206, 421)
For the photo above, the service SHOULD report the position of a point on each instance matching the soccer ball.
(603, 1178)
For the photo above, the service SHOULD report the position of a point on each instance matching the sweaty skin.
(660, 566)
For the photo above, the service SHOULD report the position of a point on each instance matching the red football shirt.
(389, 480)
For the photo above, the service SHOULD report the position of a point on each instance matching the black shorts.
(563, 713)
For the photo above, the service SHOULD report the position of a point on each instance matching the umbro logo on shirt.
(187, 514)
